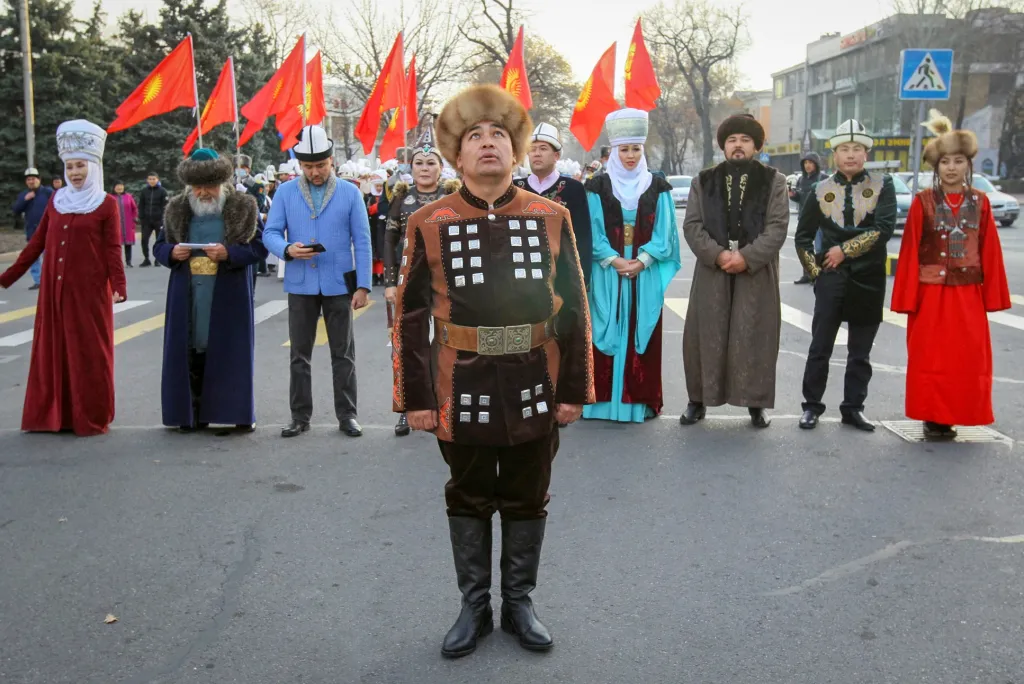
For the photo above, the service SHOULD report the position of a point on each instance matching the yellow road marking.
(678, 306)
(321, 327)
(16, 314)
(130, 332)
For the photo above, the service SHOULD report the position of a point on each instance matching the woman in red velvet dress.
(950, 274)
(71, 376)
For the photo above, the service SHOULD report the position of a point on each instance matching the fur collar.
(332, 185)
(240, 214)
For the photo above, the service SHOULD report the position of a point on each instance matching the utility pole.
(26, 62)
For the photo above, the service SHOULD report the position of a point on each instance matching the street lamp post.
(26, 61)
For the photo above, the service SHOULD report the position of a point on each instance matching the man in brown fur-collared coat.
(736, 223)
(497, 270)
(208, 330)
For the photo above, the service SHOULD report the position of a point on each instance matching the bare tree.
(430, 32)
(491, 26)
(283, 20)
(675, 125)
(699, 39)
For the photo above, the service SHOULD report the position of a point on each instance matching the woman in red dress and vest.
(949, 275)
(71, 375)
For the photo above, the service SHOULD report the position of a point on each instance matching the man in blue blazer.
(316, 223)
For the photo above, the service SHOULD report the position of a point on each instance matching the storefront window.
(832, 113)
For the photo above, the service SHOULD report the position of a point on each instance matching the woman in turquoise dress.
(636, 255)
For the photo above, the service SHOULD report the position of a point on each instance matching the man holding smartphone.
(316, 223)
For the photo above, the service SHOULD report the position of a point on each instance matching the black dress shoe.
(759, 418)
(809, 420)
(938, 431)
(145, 263)
(402, 426)
(804, 280)
(351, 428)
(294, 429)
(859, 421)
(694, 413)
(34, 286)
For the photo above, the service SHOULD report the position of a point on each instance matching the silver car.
(1005, 208)
(903, 200)
(680, 189)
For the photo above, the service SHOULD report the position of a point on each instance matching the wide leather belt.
(493, 341)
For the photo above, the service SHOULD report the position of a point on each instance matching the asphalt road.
(713, 554)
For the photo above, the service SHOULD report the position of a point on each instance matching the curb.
(890, 264)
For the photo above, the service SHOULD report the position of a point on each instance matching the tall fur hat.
(741, 123)
(205, 167)
(946, 140)
(482, 103)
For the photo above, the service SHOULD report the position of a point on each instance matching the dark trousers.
(511, 480)
(196, 373)
(128, 254)
(303, 316)
(149, 229)
(829, 292)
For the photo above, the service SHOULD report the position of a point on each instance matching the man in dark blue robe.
(208, 330)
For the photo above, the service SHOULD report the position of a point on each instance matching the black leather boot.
(759, 418)
(694, 412)
(402, 426)
(520, 557)
(938, 431)
(471, 548)
(858, 420)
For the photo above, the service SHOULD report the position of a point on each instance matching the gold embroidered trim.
(202, 265)
(860, 245)
(728, 191)
(809, 263)
(743, 187)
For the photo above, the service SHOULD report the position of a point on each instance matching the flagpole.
(234, 99)
(405, 109)
(304, 81)
(195, 89)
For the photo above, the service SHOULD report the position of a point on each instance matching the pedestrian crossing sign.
(925, 74)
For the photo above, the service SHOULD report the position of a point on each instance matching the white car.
(1005, 208)
(680, 189)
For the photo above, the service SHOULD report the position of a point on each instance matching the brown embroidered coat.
(514, 264)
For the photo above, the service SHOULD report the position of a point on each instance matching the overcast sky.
(583, 29)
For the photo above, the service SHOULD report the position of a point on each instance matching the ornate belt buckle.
(518, 339)
(627, 234)
(490, 341)
(734, 245)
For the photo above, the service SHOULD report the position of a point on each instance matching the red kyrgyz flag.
(283, 90)
(513, 78)
(388, 92)
(394, 136)
(167, 87)
(289, 124)
(597, 101)
(219, 109)
(642, 89)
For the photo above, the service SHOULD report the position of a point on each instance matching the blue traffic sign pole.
(924, 75)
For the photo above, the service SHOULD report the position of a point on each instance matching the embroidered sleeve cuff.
(605, 263)
(809, 263)
(645, 258)
(860, 245)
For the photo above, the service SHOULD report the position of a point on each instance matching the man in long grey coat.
(736, 223)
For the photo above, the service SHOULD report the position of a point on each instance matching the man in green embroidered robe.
(856, 212)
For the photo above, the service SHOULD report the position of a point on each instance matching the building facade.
(857, 76)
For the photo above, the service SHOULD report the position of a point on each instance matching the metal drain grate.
(913, 431)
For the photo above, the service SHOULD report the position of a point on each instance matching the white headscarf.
(628, 186)
(84, 200)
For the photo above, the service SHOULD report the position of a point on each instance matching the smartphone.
(317, 247)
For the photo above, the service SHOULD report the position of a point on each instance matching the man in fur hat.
(855, 210)
(546, 181)
(736, 223)
(497, 269)
(208, 331)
